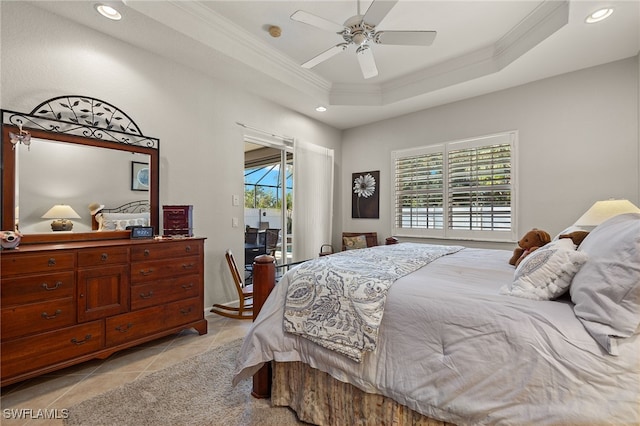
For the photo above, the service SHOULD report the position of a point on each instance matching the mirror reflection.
(51, 173)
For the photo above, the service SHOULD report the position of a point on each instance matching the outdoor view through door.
(268, 194)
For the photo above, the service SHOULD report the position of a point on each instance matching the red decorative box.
(177, 220)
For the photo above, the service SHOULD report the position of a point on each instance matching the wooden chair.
(371, 237)
(245, 295)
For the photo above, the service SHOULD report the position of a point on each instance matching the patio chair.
(272, 237)
(244, 310)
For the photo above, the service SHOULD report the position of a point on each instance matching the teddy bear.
(531, 241)
(576, 236)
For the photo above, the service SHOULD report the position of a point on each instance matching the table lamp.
(61, 213)
(603, 210)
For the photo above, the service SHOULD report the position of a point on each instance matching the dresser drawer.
(37, 317)
(175, 223)
(103, 256)
(34, 263)
(163, 291)
(157, 269)
(183, 312)
(165, 250)
(33, 352)
(127, 327)
(37, 288)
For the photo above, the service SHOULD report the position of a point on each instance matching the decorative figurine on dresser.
(68, 297)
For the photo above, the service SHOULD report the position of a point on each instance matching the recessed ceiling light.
(321, 108)
(108, 12)
(599, 15)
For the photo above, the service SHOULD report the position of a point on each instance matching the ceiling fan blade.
(329, 53)
(377, 11)
(366, 61)
(316, 21)
(411, 38)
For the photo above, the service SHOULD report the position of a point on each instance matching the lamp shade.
(603, 210)
(61, 211)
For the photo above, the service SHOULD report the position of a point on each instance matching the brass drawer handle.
(146, 252)
(124, 328)
(186, 311)
(147, 296)
(52, 261)
(104, 257)
(48, 317)
(187, 249)
(188, 266)
(146, 272)
(187, 286)
(81, 342)
(46, 286)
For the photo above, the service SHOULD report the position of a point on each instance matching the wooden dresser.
(62, 304)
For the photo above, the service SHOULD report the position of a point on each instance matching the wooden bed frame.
(315, 396)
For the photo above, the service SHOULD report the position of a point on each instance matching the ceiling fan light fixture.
(359, 39)
(599, 15)
(108, 12)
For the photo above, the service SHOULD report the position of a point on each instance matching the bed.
(465, 339)
(133, 213)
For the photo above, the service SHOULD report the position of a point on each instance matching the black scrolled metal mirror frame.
(80, 120)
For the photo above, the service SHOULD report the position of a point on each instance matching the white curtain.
(312, 199)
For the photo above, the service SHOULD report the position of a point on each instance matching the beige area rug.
(195, 392)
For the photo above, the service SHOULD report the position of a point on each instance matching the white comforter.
(452, 348)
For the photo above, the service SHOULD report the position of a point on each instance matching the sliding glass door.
(268, 199)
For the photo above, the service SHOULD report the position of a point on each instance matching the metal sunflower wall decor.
(365, 198)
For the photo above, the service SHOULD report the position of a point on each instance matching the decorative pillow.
(121, 225)
(357, 242)
(546, 273)
(120, 221)
(606, 291)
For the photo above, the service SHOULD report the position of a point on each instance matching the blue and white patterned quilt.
(338, 301)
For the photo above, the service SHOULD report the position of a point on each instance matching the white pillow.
(546, 273)
(606, 291)
(120, 221)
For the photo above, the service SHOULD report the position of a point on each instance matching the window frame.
(507, 137)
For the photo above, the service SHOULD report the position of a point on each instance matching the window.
(462, 189)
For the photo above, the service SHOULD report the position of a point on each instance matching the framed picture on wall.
(365, 195)
(139, 176)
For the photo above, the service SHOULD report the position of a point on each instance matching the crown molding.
(542, 22)
(204, 25)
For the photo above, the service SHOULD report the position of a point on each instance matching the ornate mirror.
(80, 152)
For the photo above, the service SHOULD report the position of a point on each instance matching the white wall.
(194, 117)
(578, 143)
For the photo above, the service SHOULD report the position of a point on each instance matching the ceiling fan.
(360, 30)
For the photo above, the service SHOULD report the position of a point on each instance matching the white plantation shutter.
(419, 187)
(461, 189)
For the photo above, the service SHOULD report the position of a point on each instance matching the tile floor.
(72, 385)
